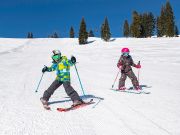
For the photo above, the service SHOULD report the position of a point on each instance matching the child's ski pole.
(116, 78)
(138, 71)
(39, 82)
(79, 79)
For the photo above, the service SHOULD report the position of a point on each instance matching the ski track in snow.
(119, 113)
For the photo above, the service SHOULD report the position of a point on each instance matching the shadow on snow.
(84, 97)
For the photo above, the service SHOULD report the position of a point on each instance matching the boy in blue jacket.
(62, 66)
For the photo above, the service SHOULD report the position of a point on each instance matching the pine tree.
(165, 22)
(161, 23)
(30, 35)
(91, 34)
(169, 20)
(102, 31)
(71, 33)
(105, 30)
(83, 34)
(150, 22)
(126, 31)
(143, 25)
(159, 27)
(55, 35)
(136, 25)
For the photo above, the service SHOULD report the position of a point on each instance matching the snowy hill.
(114, 113)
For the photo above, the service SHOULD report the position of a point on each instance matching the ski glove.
(138, 66)
(73, 59)
(45, 69)
(120, 67)
(119, 64)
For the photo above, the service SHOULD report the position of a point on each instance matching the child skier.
(62, 65)
(124, 64)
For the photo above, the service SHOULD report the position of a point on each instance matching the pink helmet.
(125, 50)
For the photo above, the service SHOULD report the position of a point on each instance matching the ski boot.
(138, 88)
(45, 103)
(77, 102)
(122, 88)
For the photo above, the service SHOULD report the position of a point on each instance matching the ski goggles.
(56, 57)
(125, 53)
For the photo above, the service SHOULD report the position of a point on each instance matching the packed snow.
(114, 113)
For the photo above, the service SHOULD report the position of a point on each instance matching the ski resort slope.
(114, 113)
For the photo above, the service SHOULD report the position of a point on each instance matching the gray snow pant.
(67, 86)
(131, 75)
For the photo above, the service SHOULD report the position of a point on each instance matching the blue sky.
(43, 17)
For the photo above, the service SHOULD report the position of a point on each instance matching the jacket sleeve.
(119, 62)
(70, 63)
(66, 61)
(132, 63)
(52, 68)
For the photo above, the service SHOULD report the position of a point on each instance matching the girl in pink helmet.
(124, 64)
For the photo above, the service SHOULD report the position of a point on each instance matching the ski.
(145, 92)
(132, 91)
(75, 107)
(127, 91)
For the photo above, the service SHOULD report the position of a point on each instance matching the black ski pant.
(132, 76)
(67, 86)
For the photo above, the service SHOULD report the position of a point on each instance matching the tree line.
(146, 24)
(142, 26)
(83, 34)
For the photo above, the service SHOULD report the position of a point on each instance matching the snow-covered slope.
(21, 112)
